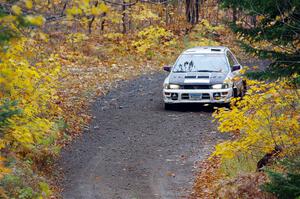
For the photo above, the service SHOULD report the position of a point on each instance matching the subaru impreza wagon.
(203, 75)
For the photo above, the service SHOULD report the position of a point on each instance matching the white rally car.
(203, 75)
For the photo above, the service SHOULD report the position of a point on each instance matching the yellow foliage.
(35, 20)
(269, 45)
(114, 17)
(266, 117)
(153, 36)
(199, 36)
(113, 36)
(16, 9)
(76, 37)
(103, 7)
(85, 7)
(3, 170)
(141, 13)
(96, 11)
(34, 88)
(74, 11)
(28, 4)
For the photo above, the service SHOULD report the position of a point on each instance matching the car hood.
(205, 78)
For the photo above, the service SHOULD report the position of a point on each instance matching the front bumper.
(173, 96)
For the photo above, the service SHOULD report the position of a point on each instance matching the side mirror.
(167, 68)
(236, 67)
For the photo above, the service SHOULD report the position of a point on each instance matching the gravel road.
(135, 149)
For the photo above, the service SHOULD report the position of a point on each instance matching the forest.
(58, 56)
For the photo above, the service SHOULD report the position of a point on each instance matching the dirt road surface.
(134, 149)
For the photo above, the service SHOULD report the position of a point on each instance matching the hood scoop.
(197, 79)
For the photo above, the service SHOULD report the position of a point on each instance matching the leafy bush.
(22, 181)
(266, 117)
(34, 87)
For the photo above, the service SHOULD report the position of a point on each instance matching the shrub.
(285, 184)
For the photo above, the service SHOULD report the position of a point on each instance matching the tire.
(227, 105)
(235, 92)
(168, 106)
(244, 89)
(242, 93)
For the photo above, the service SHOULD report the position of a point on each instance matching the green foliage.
(286, 184)
(275, 35)
(7, 110)
(25, 193)
(22, 182)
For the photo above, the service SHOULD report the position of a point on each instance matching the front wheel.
(244, 89)
(227, 105)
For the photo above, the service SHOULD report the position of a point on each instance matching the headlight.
(220, 86)
(174, 86)
(171, 86)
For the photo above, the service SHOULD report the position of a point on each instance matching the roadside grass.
(236, 166)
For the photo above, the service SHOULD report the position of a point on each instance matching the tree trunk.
(268, 158)
(64, 8)
(253, 21)
(102, 22)
(92, 20)
(197, 10)
(192, 11)
(124, 29)
(234, 15)
(189, 11)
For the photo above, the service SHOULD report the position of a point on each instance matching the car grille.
(196, 87)
(205, 96)
(186, 96)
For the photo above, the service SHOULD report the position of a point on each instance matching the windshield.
(201, 63)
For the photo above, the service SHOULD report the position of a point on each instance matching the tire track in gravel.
(134, 149)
